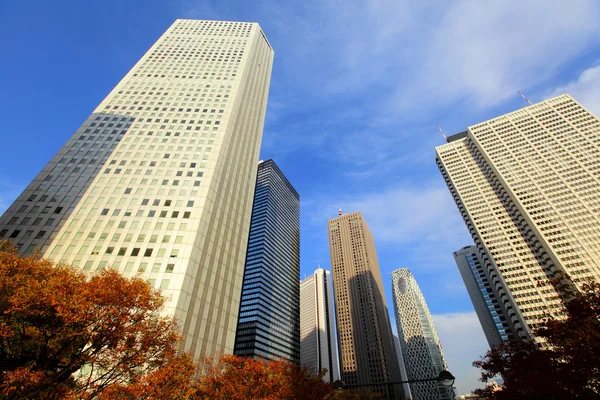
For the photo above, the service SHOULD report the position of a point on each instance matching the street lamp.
(445, 378)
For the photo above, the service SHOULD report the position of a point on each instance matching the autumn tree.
(238, 378)
(567, 367)
(66, 335)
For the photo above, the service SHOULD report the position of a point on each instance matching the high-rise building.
(419, 341)
(317, 332)
(158, 181)
(269, 319)
(527, 184)
(403, 374)
(492, 315)
(365, 341)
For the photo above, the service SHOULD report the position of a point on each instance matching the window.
(148, 253)
(135, 251)
(122, 251)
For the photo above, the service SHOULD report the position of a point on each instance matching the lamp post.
(445, 378)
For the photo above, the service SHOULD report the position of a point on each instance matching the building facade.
(403, 374)
(317, 332)
(158, 181)
(527, 184)
(491, 313)
(365, 341)
(419, 341)
(269, 319)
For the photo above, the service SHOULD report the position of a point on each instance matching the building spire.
(443, 134)
(526, 99)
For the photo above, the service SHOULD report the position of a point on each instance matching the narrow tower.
(491, 313)
(367, 355)
(419, 341)
(317, 334)
(269, 321)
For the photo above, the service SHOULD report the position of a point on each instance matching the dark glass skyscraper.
(269, 319)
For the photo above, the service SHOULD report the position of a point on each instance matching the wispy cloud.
(484, 51)
(401, 214)
(463, 342)
(391, 66)
(586, 89)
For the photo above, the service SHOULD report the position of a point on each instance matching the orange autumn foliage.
(63, 334)
(237, 378)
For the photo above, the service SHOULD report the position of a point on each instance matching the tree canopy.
(567, 366)
(65, 334)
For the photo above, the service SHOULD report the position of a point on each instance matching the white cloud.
(407, 214)
(418, 222)
(485, 51)
(586, 89)
(403, 61)
(420, 55)
(463, 342)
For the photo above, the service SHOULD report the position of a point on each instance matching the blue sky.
(356, 92)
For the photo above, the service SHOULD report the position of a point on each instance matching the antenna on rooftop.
(443, 134)
(526, 99)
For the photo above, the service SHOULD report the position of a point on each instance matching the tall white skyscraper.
(527, 185)
(419, 341)
(317, 333)
(158, 181)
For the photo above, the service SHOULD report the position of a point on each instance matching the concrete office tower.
(366, 346)
(403, 374)
(492, 315)
(158, 181)
(317, 333)
(421, 347)
(527, 184)
(269, 320)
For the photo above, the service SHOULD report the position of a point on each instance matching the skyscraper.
(317, 332)
(419, 341)
(527, 184)
(159, 179)
(403, 374)
(492, 315)
(366, 346)
(269, 320)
